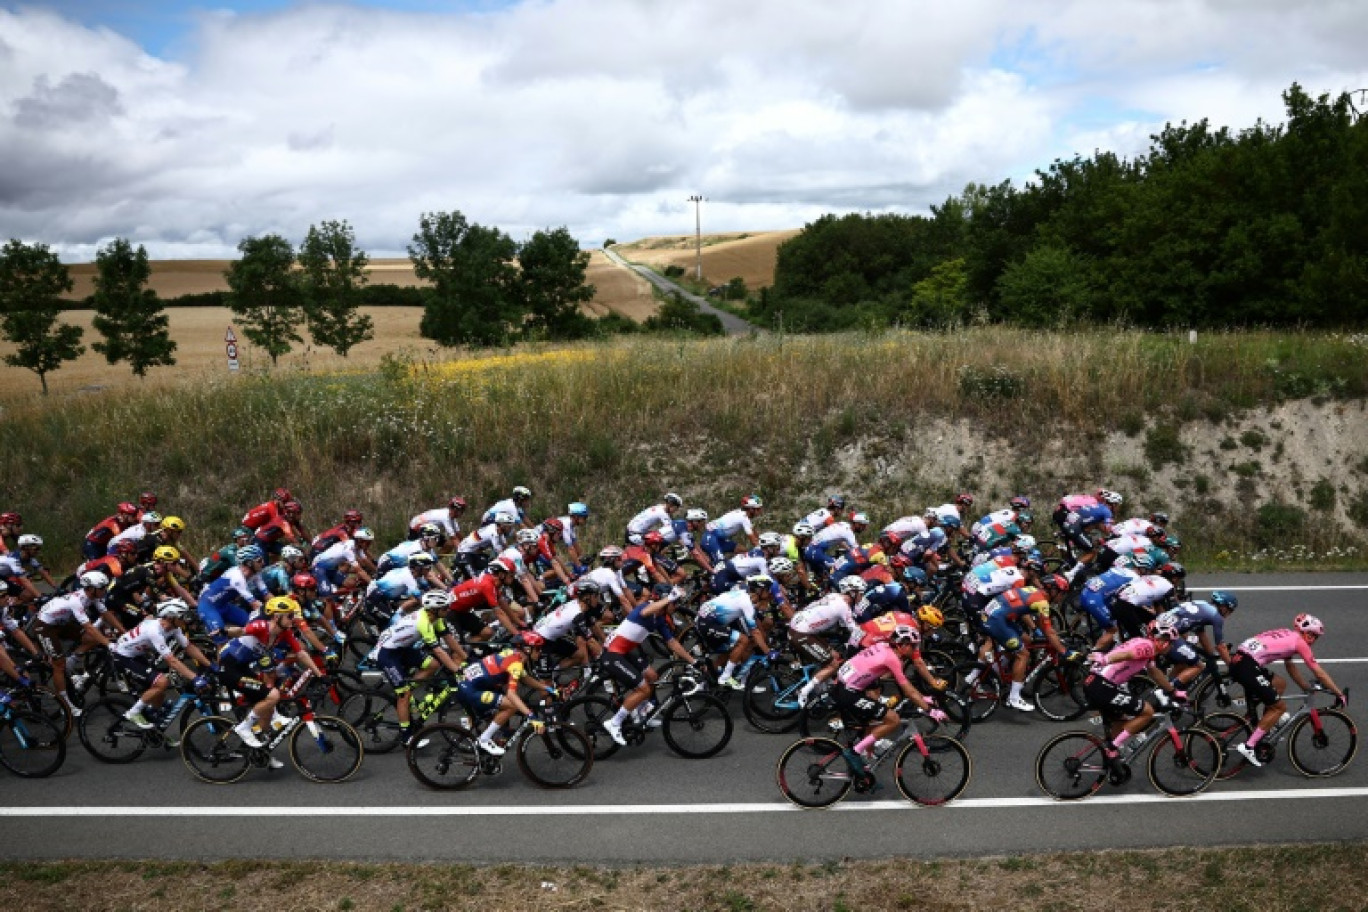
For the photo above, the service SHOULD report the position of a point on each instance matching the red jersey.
(106, 529)
(276, 529)
(481, 592)
(881, 628)
(261, 514)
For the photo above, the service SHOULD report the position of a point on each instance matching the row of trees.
(1268, 225)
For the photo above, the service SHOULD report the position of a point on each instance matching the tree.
(940, 298)
(264, 294)
(129, 315)
(334, 273)
(551, 281)
(474, 296)
(31, 280)
(1048, 287)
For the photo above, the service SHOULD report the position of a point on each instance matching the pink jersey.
(1272, 645)
(1142, 648)
(1074, 502)
(866, 667)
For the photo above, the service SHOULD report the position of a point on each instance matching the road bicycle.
(552, 754)
(817, 772)
(1053, 685)
(111, 738)
(695, 723)
(1181, 762)
(1321, 741)
(31, 744)
(322, 748)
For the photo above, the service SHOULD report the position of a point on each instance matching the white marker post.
(230, 344)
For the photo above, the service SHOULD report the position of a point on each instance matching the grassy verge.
(1313, 877)
(616, 423)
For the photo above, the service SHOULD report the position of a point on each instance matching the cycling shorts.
(1256, 680)
(716, 637)
(626, 671)
(56, 641)
(1095, 603)
(1115, 703)
(242, 677)
(1005, 634)
(136, 669)
(479, 701)
(857, 710)
(397, 664)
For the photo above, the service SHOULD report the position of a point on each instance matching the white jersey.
(1133, 526)
(730, 523)
(148, 638)
(825, 614)
(1145, 590)
(608, 579)
(402, 633)
(485, 538)
(441, 518)
(747, 565)
(819, 518)
(834, 534)
(990, 580)
(73, 608)
(343, 552)
(559, 623)
(134, 533)
(1129, 544)
(947, 511)
(514, 556)
(655, 518)
(905, 527)
(996, 518)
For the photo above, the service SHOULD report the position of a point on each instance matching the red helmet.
(282, 494)
(457, 503)
(292, 508)
(503, 564)
(126, 508)
(303, 581)
(890, 541)
(352, 516)
(147, 500)
(125, 547)
(553, 525)
(653, 539)
(965, 499)
(11, 519)
(900, 561)
(1056, 581)
(528, 639)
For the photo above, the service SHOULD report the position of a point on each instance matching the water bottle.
(1280, 724)
(882, 746)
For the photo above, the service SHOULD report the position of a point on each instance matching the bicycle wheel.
(1229, 729)
(1071, 766)
(1210, 697)
(108, 736)
(213, 752)
(938, 777)
(770, 700)
(1324, 750)
(980, 695)
(326, 749)
(444, 756)
(374, 714)
(1058, 692)
(31, 745)
(44, 702)
(697, 727)
(820, 718)
(586, 715)
(1184, 763)
(545, 759)
(813, 773)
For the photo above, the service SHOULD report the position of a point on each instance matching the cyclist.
(1250, 670)
(11, 527)
(480, 547)
(643, 562)
(987, 581)
(135, 652)
(576, 515)
(547, 557)
(1006, 615)
(1016, 506)
(71, 618)
(97, 540)
(820, 553)
(263, 513)
(730, 623)
(217, 563)
(488, 591)
(417, 639)
(572, 632)
(656, 518)
(491, 684)
(342, 561)
(906, 527)
(247, 663)
(135, 590)
(429, 539)
(690, 535)
(522, 554)
(1078, 516)
(624, 664)
(278, 577)
(221, 603)
(733, 571)
(794, 544)
(608, 577)
(351, 521)
(1138, 602)
(286, 528)
(22, 563)
(1197, 616)
(720, 539)
(856, 695)
(447, 518)
(147, 524)
(813, 630)
(1124, 713)
(516, 504)
(825, 516)
(401, 589)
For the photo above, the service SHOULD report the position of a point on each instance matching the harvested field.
(749, 255)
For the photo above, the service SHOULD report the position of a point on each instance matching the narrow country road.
(732, 324)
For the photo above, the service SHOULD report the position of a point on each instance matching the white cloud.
(605, 115)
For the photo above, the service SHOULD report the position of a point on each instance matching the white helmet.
(771, 540)
(852, 585)
(94, 580)
(290, 552)
(173, 610)
(780, 566)
(527, 537)
(696, 514)
(437, 599)
(504, 518)
(803, 530)
(26, 541)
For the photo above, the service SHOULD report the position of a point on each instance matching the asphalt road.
(646, 805)
(731, 324)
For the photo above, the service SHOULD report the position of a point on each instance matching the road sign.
(230, 343)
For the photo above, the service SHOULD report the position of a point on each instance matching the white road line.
(1339, 661)
(608, 810)
(1273, 588)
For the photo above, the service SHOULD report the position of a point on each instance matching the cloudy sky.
(187, 126)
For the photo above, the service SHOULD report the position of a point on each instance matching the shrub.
(1254, 439)
(1163, 445)
(1278, 522)
(1322, 496)
(990, 383)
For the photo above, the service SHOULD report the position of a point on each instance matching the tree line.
(483, 289)
(1267, 226)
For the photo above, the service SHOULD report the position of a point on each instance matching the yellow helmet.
(173, 523)
(166, 553)
(931, 615)
(282, 604)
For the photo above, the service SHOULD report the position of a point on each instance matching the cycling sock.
(1121, 738)
(137, 708)
(864, 744)
(972, 676)
(731, 667)
(1255, 738)
(1016, 690)
(620, 716)
(490, 731)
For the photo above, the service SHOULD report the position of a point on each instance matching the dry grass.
(618, 290)
(750, 256)
(1320, 877)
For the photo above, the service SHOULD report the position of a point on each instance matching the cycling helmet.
(1025, 519)
(527, 537)
(836, 503)
(1020, 502)
(352, 516)
(696, 514)
(503, 518)
(915, 576)
(1309, 623)
(1165, 625)
(587, 587)
(951, 522)
(1223, 599)
(173, 610)
(771, 540)
(282, 604)
(673, 500)
(528, 639)
(931, 616)
(147, 500)
(653, 539)
(364, 534)
(964, 500)
(905, 635)
(1110, 498)
(859, 519)
(30, 541)
(900, 561)
(436, 600)
(752, 502)
(241, 532)
(760, 582)
(421, 560)
(303, 581)
(852, 585)
(430, 530)
(890, 541)
(803, 530)
(610, 553)
(125, 548)
(1033, 563)
(522, 493)
(502, 564)
(552, 524)
(292, 508)
(1056, 581)
(282, 495)
(930, 515)
(290, 552)
(579, 510)
(1156, 534)
(1172, 543)
(126, 507)
(11, 519)
(248, 554)
(1024, 543)
(456, 503)
(169, 555)
(1172, 571)
(94, 580)
(1142, 562)
(780, 566)
(1159, 518)
(152, 517)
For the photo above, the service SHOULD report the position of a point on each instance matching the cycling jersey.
(1133, 526)
(149, 638)
(566, 622)
(496, 672)
(276, 579)
(634, 630)
(399, 555)
(398, 584)
(882, 599)
(734, 570)
(1274, 645)
(732, 522)
(922, 544)
(865, 668)
(906, 526)
(1098, 592)
(255, 643)
(1143, 648)
(820, 518)
(72, 608)
(836, 533)
(413, 628)
(728, 609)
(261, 514)
(441, 518)
(481, 592)
(881, 628)
(1194, 615)
(993, 534)
(991, 579)
(607, 579)
(98, 538)
(484, 539)
(826, 615)
(134, 533)
(337, 555)
(504, 506)
(234, 586)
(1144, 591)
(654, 518)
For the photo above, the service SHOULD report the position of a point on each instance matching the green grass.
(619, 422)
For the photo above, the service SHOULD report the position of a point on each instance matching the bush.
(992, 383)
(1163, 446)
(1278, 522)
(1322, 496)
(673, 272)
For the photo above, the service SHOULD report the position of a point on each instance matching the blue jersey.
(729, 608)
(1093, 515)
(232, 588)
(399, 583)
(882, 599)
(1194, 615)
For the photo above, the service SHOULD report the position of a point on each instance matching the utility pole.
(698, 234)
